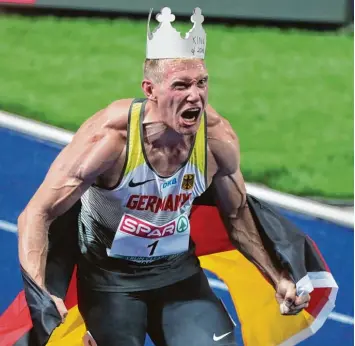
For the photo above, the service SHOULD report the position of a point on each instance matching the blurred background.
(281, 71)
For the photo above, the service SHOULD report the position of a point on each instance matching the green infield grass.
(288, 94)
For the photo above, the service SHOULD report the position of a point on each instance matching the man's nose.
(194, 95)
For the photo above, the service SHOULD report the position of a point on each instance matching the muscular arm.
(92, 151)
(230, 189)
(231, 193)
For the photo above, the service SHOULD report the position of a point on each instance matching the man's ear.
(149, 89)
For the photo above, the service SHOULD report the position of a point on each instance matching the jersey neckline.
(141, 136)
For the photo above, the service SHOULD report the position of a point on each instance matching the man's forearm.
(246, 238)
(33, 244)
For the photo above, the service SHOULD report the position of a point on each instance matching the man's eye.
(202, 82)
(180, 86)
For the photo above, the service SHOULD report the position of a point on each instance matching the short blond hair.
(153, 69)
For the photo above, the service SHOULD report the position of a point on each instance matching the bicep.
(230, 192)
(228, 180)
(72, 172)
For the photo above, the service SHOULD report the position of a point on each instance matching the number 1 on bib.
(153, 246)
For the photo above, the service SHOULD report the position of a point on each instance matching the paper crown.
(165, 42)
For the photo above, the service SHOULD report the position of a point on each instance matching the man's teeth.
(190, 115)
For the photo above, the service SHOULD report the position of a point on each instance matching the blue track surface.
(23, 165)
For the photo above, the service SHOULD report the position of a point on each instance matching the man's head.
(179, 89)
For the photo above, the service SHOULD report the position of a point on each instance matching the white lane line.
(35, 128)
(283, 200)
(217, 284)
(335, 316)
(341, 318)
(8, 227)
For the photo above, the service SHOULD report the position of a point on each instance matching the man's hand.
(88, 340)
(290, 303)
(59, 303)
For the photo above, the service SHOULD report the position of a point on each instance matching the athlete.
(137, 166)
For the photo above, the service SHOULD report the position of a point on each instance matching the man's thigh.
(113, 318)
(189, 313)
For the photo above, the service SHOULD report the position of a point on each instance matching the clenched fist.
(59, 303)
(290, 303)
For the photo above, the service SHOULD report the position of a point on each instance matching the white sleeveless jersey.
(146, 217)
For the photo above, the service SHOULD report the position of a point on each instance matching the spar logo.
(182, 224)
(135, 226)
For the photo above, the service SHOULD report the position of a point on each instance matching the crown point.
(197, 16)
(165, 16)
(165, 42)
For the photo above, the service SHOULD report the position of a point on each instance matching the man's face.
(182, 94)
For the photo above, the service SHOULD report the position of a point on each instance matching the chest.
(165, 163)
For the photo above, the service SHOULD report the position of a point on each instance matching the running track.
(24, 161)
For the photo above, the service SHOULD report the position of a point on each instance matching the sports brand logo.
(217, 338)
(138, 183)
(188, 181)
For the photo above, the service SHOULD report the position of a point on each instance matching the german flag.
(32, 318)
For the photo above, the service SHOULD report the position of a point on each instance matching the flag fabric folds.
(32, 318)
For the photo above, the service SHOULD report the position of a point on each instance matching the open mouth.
(190, 115)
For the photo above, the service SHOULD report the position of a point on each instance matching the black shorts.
(186, 313)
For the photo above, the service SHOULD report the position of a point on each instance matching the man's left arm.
(231, 200)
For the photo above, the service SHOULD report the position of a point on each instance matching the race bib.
(141, 241)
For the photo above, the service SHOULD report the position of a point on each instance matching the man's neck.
(159, 134)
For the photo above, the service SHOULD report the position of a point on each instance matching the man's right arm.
(93, 150)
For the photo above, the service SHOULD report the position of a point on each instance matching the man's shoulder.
(218, 126)
(222, 141)
(111, 120)
(116, 113)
